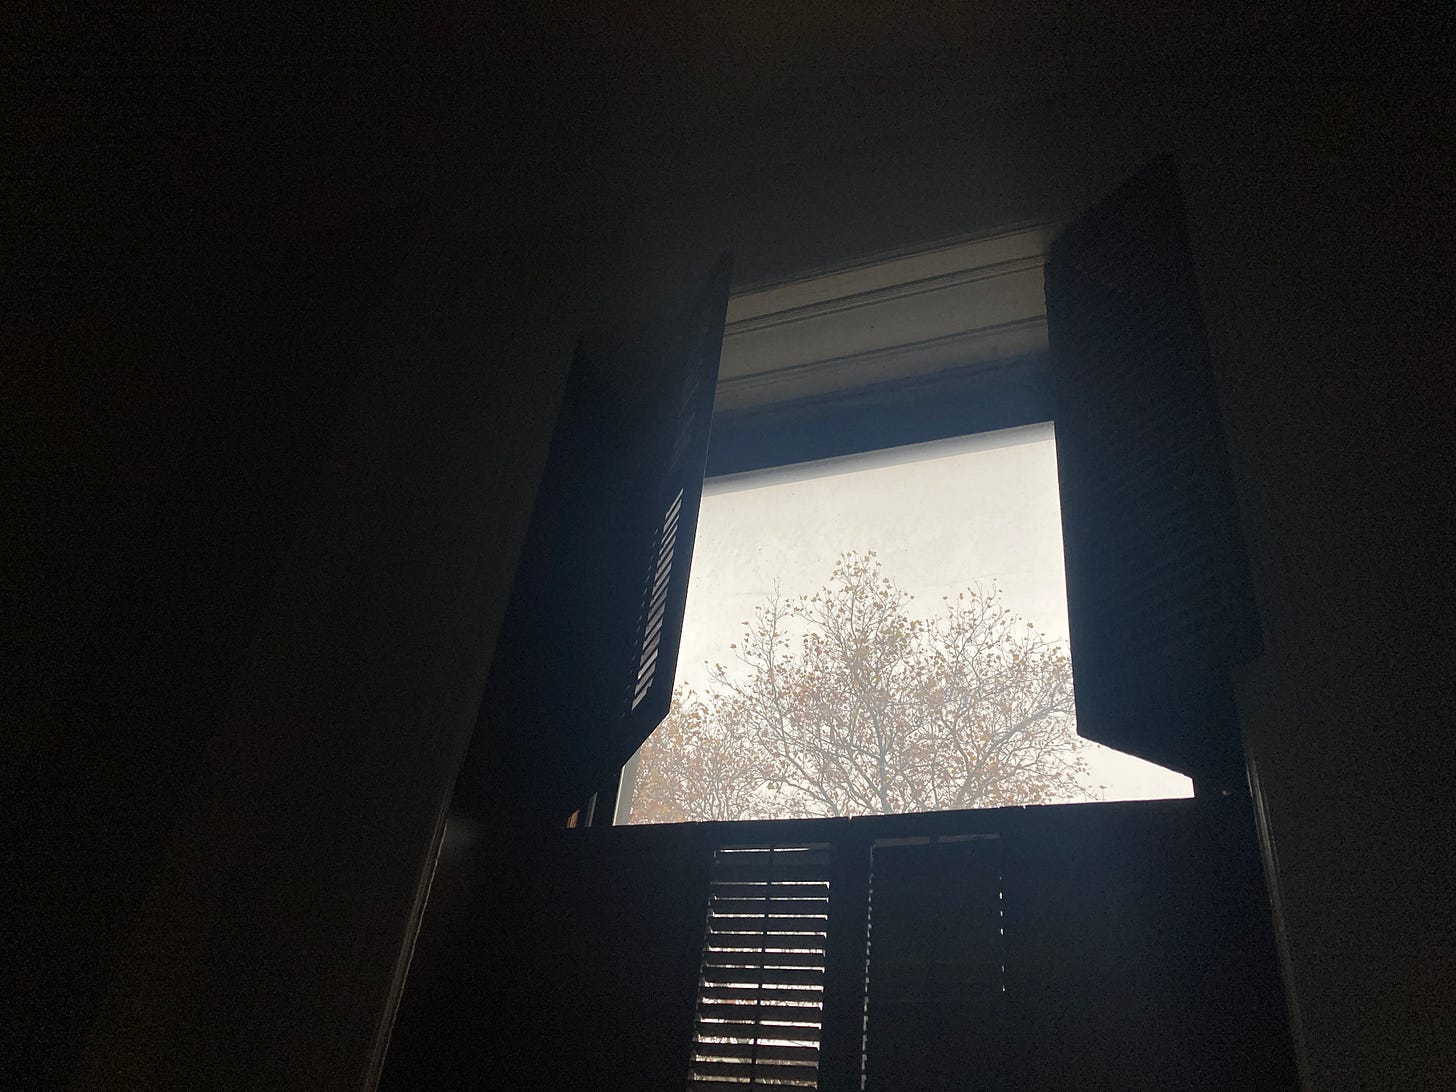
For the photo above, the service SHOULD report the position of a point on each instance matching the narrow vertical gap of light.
(864, 1034)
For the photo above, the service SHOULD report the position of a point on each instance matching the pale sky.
(942, 516)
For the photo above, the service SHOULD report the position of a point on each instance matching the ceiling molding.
(923, 358)
(937, 283)
(910, 314)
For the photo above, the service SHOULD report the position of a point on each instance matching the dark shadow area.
(292, 303)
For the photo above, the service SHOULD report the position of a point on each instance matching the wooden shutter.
(761, 987)
(1158, 595)
(935, 1008)
(585, 661)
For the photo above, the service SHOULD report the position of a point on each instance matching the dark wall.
(251, 880)
(268, 507)
(1323, 276)
(164, 407)
(558, 961)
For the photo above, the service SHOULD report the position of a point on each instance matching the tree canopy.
(844, 703)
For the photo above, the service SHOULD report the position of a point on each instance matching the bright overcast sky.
(943, 516)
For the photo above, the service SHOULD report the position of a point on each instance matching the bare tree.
(693, 768)
(850, 705)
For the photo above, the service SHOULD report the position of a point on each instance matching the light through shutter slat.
(656, 602)
(761, 986)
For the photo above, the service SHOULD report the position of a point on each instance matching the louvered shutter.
(1158, 595)
(761, 987)
(585, 661)
(935, 1007)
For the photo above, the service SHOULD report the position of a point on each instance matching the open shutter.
(1158, 595)
(761, 987)
(587, 653)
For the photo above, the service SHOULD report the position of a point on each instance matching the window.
(1121, 931)
(972, 707)
(939, 343)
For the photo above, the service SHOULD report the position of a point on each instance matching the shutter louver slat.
(718, 956)
(749, 1050)
(769, 1018)
(786, 975)
(761, 986)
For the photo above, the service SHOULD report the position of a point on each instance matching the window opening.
(880, 633)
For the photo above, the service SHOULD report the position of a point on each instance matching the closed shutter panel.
(1158, 596)
(761, 991)
(585, 660)
(935, 1008)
